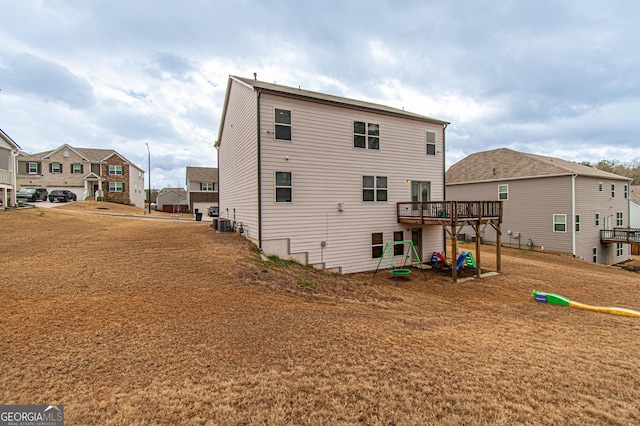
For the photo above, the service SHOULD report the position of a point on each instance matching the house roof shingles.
(332, 99)
(506, 164)
(202, 174)
(92, 155)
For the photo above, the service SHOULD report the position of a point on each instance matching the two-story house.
(318, 178)
(549, 204)
(8, 187)
(202, 188)
(88, 172)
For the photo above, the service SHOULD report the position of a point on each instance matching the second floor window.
(115, 170)
(431, 143)
(503, 192)
(619, 219)
(283, 124)
(374, 188)
(613, 190)
(76, 169)
(597, 219)
(577, 223)
(33, 168)
(206, 186)
(626, 191)
(55, 168)
(366, 135)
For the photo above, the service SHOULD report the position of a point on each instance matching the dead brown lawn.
(132, 321)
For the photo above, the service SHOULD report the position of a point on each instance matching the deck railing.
(5, 176)
(628, 235)
(439, 210)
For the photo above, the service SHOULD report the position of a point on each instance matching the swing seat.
(400, 271)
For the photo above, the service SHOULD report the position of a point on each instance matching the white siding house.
(316, 177)
(549, 204)
(8, 187)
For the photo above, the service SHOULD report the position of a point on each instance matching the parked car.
(212, 211)
(32, 194)
(62, 195)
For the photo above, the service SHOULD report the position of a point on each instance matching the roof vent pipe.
(255, 76)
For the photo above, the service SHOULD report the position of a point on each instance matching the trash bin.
(198, 217)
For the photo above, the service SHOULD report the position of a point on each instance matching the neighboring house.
(318, 178)
(549, 204)
(202, 188)
(8, 186)
(87, 172)
(172, 200)
(634, 215)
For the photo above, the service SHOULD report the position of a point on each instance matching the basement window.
(376, 245)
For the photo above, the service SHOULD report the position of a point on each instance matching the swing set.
(411, 254)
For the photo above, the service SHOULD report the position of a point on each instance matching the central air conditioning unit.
(224, 225)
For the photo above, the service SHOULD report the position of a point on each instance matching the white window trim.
(208, 184)
(29, 168)
(619, 249)
(597, 219)
(375, 189)
(577, 223)
(276, 186)
(115, 169)
(600, 186)
(613, 190)
(553, 219)
(619, 218)
(113, 186)
(276, 124)
(503, 192)
(53, 166)
(366, 136)
(430, 144)
(73, 168)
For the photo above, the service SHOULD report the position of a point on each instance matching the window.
(283, 124)
(597, 219)
(431, 143)
(374, 188)
(595, 255)
(33, 168)
(283, 187)
(619, 219)
(366, 135)
(206, 186)
(376, 245)
(398, 249)
(55, 168)
(619, 249)
(599, 186)
(559, 223)
(76, 169)
(613, 190)
(115, 170)
(503, 192)
(577, 223)
(626, 191)
(116, 187)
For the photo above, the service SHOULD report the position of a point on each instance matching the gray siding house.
(317, 178)
(202, 188)
(549, 204)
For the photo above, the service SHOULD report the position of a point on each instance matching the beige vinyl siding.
(136, 185)
(528, 211)
(590, 201)
(238, 167)
(327, 170)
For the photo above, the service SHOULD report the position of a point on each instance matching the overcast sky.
(559, 78)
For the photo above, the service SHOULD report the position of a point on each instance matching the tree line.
(630, 169)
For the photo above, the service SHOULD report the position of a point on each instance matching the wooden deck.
(452, 216)
(620, 235)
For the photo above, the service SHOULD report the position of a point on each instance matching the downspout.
(14, 179)
(444, 183)
(573, 214)
(259, 179)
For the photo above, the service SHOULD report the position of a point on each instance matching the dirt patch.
(132, 321)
